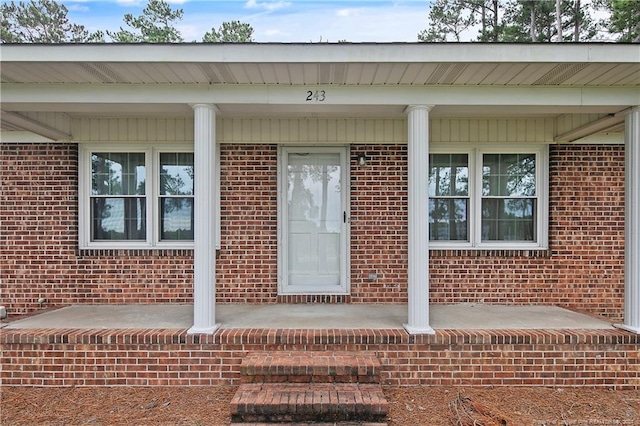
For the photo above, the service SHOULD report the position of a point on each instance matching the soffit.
(361, 74)
(417, 64)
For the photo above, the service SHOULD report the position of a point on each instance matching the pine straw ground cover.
(407, 406)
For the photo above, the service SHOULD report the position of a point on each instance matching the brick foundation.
(583, 270)
(598, 358)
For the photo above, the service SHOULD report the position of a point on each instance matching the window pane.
(117, 173)
(448, 175)
(176, 173)
(176, 219)
(118, 218)
(448, 219)
(505, 219)
(509, 175)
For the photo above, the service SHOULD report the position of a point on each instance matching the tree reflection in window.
(449, 197)
(176, 196)
(314, 190)
(118, 196)
(509, 197)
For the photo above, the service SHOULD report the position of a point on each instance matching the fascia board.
(296, 95)
(318, 53)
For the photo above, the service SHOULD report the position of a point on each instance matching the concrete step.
(311, 402)
(310, 367)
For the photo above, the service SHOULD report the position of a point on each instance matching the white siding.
(57, 120)
(313, 130)
(170, 130)
(568, 122)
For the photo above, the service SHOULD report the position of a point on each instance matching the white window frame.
(475, 153)
(152, 191)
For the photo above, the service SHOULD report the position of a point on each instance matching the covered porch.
(351, 95)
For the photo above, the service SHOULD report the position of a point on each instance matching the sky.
(274, 20)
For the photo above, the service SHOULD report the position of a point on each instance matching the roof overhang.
(372, 80)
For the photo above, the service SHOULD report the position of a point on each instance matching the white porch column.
(632, 222)
(418, 204)
(204, 253)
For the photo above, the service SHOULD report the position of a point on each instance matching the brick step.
(310, 367)
(315, 402)
(355, 423)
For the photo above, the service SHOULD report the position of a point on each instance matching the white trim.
(345, 237)
(475, 152)
(63, 94)
(152, 158)
(23, 136)
(250, 53)
(601, 125)
(33, 126)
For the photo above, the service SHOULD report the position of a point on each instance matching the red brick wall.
(379, 235)
(598, 358)
(247, 265)
(39, 239)
(587, 228)
(582, 270)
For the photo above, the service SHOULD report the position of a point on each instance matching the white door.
(313, 220)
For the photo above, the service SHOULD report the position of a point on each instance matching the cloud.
(130, 2)
(345, 13)
(78, 8)
(266, 5)
(362, 22)
(141, 3)
(272, 32)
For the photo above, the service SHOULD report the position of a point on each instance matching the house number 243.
(316, 96)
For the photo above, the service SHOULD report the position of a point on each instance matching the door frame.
(345, 242)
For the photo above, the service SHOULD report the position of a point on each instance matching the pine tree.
(230, 32)
(155, 25)
(42, 21)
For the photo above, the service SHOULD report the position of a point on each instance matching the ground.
(407, 406)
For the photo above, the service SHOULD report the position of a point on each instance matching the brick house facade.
(583, 268)
(576, 249)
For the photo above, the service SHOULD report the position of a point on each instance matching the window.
(488, 197)
(449, 197)
(136, 197)
(176, 196)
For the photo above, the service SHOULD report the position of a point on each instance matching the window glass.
(176, 219)
(118, 218)
(508, 219)
(118, 173)
(449, 197)
(118, 202)
(508, 203)
(176, 196)
(509, 175)
(176, 173)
